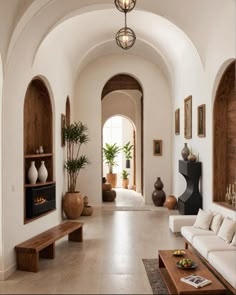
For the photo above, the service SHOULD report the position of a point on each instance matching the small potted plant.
(75, 135)
(110, 152)
(127, 149)
(125, 178)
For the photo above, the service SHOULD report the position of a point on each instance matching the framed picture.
(201, 120)
(63, 124)
(157, 147)
(188, 117)
(177, 122)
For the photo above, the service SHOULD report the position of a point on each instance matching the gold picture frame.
(157, 147)
(201, 120)
(188, 117)
(177, 122)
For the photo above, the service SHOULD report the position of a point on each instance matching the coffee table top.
(175, 273)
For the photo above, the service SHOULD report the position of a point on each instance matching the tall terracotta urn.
(112, 179)
(73, 204)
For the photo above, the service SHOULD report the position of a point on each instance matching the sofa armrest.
(177, 221)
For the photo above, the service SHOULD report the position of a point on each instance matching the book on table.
(196, 281)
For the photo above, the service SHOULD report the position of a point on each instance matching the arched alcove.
(224, 136)
(125, 82)
(38, 132)
(67, 111)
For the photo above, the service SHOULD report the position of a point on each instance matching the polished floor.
(109, 261)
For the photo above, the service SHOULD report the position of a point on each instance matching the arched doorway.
(224, 135)
(123, 95)
(120, 130)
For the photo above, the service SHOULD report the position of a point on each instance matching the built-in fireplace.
(40, 200)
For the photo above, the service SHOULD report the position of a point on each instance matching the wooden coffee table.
(171, 275)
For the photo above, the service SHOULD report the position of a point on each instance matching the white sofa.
(213, 243)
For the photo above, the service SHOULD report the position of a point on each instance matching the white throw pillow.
(203, 219)
(227, 230)
(216, 222)
(233, 243)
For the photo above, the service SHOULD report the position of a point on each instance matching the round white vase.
(43, 172)
(32, 173)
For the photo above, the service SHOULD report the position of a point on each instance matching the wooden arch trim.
(121, 81)
(224, 142)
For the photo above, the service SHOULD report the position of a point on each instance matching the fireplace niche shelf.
(32, 156)
(38, 131)
(39, 184)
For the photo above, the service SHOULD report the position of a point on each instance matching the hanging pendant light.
(125, 37)
(125, 5)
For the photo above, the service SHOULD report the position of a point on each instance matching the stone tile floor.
(109, 261)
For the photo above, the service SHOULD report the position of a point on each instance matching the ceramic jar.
(158, 195)
(43, 172)
(185, 152)
(171, 202)
(32, 173)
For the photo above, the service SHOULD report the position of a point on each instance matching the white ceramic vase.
(32, 173)
(43, 172)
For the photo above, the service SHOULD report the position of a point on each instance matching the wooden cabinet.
(37, 132)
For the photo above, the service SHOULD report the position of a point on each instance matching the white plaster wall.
(1, 220)
(157, 119)
(128, 129)
(52, 66)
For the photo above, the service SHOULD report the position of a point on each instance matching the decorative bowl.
(178, 252)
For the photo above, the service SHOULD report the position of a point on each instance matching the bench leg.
(28, 261)
(48, 252)
(77, 235)
(186, 245)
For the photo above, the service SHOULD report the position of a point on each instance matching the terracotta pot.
(73, 204)
(106, 186)
(125, 183)
(112, 179)
(87, 211)
(171, 202)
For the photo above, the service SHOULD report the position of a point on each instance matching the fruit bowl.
(178, 252)
(186, 263)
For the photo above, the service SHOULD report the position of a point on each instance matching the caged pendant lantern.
(125, 37)
(125, 5)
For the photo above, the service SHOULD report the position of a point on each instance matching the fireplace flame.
(39, 200)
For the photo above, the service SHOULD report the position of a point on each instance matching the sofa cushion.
(227, 230)
(224, 263)
(189, 232)
(203, 219)
(216, 222)
(206, 244)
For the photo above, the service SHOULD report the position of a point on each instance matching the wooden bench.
(43, 245)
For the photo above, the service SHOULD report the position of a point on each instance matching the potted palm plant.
(125, 181)
(75, 135)
(110, 152)
(127, 149)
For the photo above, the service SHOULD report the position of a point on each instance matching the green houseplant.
(75, 135)
(127, 149)
(110, 152)
(125, 181)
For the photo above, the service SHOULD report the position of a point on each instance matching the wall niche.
(224, 169)
(38, 131)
